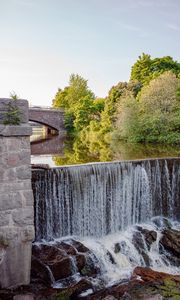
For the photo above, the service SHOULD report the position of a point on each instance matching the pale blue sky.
(43, 41)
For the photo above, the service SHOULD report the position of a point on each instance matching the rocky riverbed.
(68, 269)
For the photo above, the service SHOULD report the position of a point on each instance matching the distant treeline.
(145, 109)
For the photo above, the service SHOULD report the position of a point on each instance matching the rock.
(23, 297)
(56, 259)
(161, 222)
(69, 249)
(79, 246)
(109, 298)
(140, 245)
(62, 259)
(91, 267)
(150, 236)
(40, 272)
(80, 261)
(48, 252)
(117, 248)
(149, 275)
(61, 268)
(171, 241)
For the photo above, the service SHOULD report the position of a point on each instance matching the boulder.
(140, 245)
(171, 241)
(150, 236)
(40, 273)
(149, 275)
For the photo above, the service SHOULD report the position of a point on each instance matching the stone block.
(13, 144)
(23, 216)
(15, 130)
(12, 160)
(25, 143)
(28, 233)
(28, 198)
(25, 157)
(10, 175)
(10, 234)
(23, 172)
(10, 201)
(15, 267)
(15, 186)
(4, 218)
(3, 145)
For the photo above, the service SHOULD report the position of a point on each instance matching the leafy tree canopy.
(146, 68)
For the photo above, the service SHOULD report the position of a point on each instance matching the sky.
(42, 42)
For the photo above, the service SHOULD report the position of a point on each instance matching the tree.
(13, 115)
(145, 68)
(141, 70)
(155, 117)
(160, 94)
(77, 101)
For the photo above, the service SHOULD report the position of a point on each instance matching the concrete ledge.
(15, 130)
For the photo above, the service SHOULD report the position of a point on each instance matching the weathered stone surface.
(10, 201)
(11, 233)
(23, 216)
(52, 118)
(138, 242)
(149, 236)
(63, 260)
(79, 246)
(15, 186)
(15, 267)
(23, 297)
(15, 130)
(171, 243)
(28, 198)
(40, 272)
(16, 201)
(25, 157)
(4, 218)
(23, 172)
(149, 275)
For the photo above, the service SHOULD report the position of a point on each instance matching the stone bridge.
(52, 118)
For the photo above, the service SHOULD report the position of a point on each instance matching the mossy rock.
(170, 289)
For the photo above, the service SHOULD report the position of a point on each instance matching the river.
(57, 151)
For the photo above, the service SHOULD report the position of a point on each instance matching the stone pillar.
(16, 199)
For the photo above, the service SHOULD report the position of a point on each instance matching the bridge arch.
(52, 118)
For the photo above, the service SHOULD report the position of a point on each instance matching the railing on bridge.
(45, 108)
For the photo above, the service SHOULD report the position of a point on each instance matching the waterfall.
(102, 198)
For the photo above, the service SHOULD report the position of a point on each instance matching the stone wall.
(16, 200)
(49, 117)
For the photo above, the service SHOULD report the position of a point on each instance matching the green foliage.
(145, 69)
(154, 116)
(13, 115)
(77, 101)
(145, 109)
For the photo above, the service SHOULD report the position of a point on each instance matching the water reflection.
(56, 151)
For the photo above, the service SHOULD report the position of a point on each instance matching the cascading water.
(111, 208)
(103, 198)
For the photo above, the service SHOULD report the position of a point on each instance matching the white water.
(129, 256)
(99, 199)
(100, 204)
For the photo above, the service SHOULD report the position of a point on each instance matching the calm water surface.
(57, 151)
